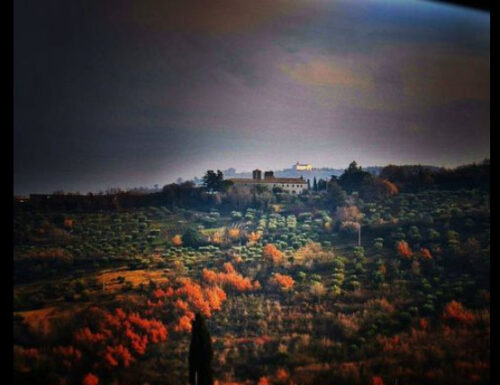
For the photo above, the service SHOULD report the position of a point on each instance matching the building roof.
(269, 181)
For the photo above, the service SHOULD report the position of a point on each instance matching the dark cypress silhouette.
(200, 354)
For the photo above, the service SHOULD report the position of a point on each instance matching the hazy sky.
(128, 93)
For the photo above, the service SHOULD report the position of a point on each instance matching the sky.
(135, 93)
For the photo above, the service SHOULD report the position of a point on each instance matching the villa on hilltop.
(291, 185)
(302, 167)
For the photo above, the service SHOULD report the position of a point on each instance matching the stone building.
(291, 185)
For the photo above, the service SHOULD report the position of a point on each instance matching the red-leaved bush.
(119, 336)
(455, 312)
(230, 278)
(403, 250)
(425, 253)
(283, 281)
(90, 379)
(272, 254)
(68, 355)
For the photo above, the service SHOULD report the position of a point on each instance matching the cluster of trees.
(217, 191)
(109, 341)
(368, 186)
(230, 279)
(318, 185)
(413, 178)
(185, 194)
(214, 181)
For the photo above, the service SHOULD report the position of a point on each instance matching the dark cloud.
(124, 93)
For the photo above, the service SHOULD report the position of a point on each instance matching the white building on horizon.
(302, 167)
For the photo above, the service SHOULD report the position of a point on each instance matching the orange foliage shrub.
(216, 296)
(282, 375)
(403, 250)
(68, 355)
(86, 336)
(284, 281)
(229, 278)
(377, 380)
(205, 300)
(184, 324)
(263, 381)
(455, 312)
(425, 253)
(194, 296)
(189, 297)
(238, 282)
(210, 276)
(119, 336)
(153, 329)
(391, 188)
(253, 237)
(234, 233)
(90, 379)
(216, 238)
(229, 268)
(177, 240)
(182, 305)
(159, 293)
(119, 354)
(271, 253)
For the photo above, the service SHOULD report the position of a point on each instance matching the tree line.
(215, 190)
